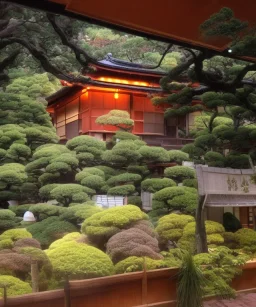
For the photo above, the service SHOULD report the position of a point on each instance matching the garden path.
(243, 300)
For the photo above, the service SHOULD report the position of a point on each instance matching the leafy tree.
(117, 118)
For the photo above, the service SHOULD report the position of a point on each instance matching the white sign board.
(215, 180)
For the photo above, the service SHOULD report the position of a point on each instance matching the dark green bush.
(230, 222)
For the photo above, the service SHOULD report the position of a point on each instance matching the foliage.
(246, 239)
(27, 242)
(135, 200)
(15, 234)
(154, 154)
(50, 229)
(79, 261)
(123, 178)
(178, 156)
(117, 118)
(88, 149)
(78, 213)
(14, 286)
(179, 173)
(73, 236)
(68, 193)
(191, 183)
(230, 222)
(7, 219)
(132, 242)
(43, 211)
(170, 227)
(219, 267)
(103, 225)
(123, 190)
(155, 184)
(190, 281)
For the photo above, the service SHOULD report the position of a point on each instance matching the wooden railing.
(139, 289)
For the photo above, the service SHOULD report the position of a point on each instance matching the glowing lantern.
(116, 95)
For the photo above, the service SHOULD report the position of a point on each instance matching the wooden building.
(117, 84)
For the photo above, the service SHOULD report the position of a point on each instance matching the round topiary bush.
(122, 190)
(246, 239)
(135, 200)
(178, 156)
(79, 261)
(7, 219)
(180, 173)
(170, 227)
(101, 226)
(156, 184)
(15, 234)
(132, 242)
(14, 286)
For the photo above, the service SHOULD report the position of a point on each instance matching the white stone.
(28, 217)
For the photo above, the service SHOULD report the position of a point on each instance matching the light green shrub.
(15, 234)
(79, 261)
(178, 156)
(101, 226)
(14, 286)
(123, 178)
(246, 239)
(180, 173)
(124, 190)
(155, 184)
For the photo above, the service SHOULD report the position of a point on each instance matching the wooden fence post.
(67, 294)
(144, 284)
(34, 276)
(5, 296)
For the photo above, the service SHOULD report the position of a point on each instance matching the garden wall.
(155, 288)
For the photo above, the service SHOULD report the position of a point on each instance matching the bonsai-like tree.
(117, 118)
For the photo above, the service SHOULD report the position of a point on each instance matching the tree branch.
(45, 62)
(79, 52)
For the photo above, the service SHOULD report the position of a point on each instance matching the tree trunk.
(201, 239)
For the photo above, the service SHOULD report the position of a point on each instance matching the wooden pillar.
(244, 216)
(201, 239)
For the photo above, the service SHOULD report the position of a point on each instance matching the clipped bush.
(123, 178)
(27, 242)
(7, 219)
(123, 190)
(14, 286)
(79, 261)
(73, 236)
(103, 225)
(132, 242)
(170, 227)
(191, 183)
(156, 184)
(180, 173)
(154, 154)
(214, 159)
(134, 264)
(6, 244)
(178, 156)
(230, 222)
(15, 234)
(43, 211)
(50, 229)
(135, 200)
(20, 209)
(246, 239)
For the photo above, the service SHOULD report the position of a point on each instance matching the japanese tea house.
(117, 84)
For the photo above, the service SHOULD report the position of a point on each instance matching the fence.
(155, 288)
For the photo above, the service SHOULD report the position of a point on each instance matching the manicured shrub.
(214, 159)
(68, 193)
(230, 240)
(45, 191)
(14, 286)
(180, 173)
(178, 156)
(134, 264)
(192, 183)
(123, 190)
(170, 227)
(230, 222)
(79, 261)
(50, 229)
(156, 184)
(132, 242)
(7, 219)
(27, 242)
(20, 209)
(154, 154)
(94, 182)
(6, 244)
(15, 234)
(101, 226)
(123, 135)
(43, 211)
(73, 236)
(123, 178)
(135, 200)
(246, 239)
(78, 213)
